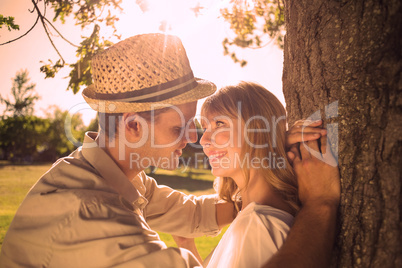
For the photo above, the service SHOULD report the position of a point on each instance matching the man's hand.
(317, 173)
(304, 130)
(311, 238)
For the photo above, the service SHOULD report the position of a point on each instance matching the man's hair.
(109, 122)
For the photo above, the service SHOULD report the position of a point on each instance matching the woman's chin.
(219, 172)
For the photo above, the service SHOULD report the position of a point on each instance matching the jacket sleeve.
(97, 232)
(173, 212)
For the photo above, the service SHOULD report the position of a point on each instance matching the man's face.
(168, 136)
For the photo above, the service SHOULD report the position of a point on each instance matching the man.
(97, 208)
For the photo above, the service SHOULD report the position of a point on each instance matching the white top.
(254, 236)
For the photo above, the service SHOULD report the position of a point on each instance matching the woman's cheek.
(222, 140)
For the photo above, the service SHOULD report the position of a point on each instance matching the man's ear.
(132, 124)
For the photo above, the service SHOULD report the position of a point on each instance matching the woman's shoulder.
(269, 216)
(271, 224)
(254, 236)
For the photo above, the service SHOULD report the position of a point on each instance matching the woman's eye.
(219, 123)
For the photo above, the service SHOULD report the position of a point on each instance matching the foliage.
(80, 74)
(59, 132)
(30, 138)
(252, 22)
(24, 98)
(25, 137)
(93, 125)
(21, 137)
(86, 13)
(50, 69)
(9, 22)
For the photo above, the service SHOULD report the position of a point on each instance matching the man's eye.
(178, 129)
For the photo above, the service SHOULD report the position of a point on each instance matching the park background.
(202, 35)
(345, 53)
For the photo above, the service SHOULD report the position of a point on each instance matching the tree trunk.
(351, 52)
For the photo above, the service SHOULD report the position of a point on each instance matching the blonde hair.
(256, 102)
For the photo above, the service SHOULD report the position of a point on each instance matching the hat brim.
(202, 90)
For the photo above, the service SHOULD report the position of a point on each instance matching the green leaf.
(9, 22)
(81, 74)
(253, 27)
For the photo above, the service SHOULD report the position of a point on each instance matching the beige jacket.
(84, 212)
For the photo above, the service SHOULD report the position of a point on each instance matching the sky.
(201, 35)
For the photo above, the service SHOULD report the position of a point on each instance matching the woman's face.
(222, 141)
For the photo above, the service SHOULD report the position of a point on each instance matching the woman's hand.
(189, 244)
(304, 130)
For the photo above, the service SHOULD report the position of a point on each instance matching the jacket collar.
(110, 172)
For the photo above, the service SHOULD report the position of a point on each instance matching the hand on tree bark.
(304, 130)
(317, 173)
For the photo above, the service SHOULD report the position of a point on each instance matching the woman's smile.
(215, 156)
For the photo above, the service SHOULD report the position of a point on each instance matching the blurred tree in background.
(20, 131)
(93, 125)
(57, 143)
(21, 137)
(23, 94)
(30, 138)
(25, 137)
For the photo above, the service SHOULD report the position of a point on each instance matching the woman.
(244, 139)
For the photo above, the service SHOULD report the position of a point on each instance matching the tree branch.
(33, 26)
(57, 31)
(42, 18)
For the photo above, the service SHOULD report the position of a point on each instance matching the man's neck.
(112, 148)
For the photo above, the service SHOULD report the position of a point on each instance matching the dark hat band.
(156, 93)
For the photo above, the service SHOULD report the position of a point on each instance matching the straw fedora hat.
(142, 73)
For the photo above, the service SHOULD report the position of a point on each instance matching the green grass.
(16, 180)
(204, 244)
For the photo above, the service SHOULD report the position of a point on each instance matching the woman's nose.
(205, 138)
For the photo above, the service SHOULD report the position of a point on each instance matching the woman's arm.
(225, 213)
(189, 244)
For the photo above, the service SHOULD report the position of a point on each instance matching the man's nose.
(191, 135)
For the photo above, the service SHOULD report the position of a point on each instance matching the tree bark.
(351, 52)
